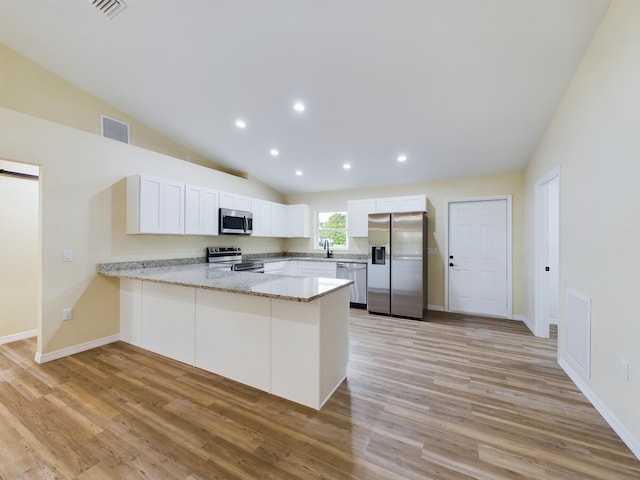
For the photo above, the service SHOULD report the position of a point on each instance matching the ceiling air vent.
(114, 129)
(110, 7)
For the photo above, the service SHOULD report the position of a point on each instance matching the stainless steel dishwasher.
(357, 290)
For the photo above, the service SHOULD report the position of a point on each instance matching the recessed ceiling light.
(299, 172)
(346, 166)
(274, 152)
(402, 158)
(241, 124)
(298, 107)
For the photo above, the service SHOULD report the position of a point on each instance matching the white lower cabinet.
(316, 269)
(235, 346)
(277, 268)
(296, 350)
(168, 320)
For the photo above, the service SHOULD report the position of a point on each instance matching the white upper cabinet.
(234, 201)
(359, 210)
(298, 221)
(413, 203)
(160, 206)
(409, 203)
(261, 210)
(154, 205)
(357, 216)
(200, 211)
(279, 220)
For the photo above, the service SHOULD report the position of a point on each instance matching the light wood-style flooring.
(452, 398)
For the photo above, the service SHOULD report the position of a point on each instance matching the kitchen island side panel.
(334, 342)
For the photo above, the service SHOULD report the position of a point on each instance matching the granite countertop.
(204, 275)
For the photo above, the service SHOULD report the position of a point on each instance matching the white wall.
(19, 254)
(595, 139)
(83, 209)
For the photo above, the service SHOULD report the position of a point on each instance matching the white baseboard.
(14, 337)
(435, 308)
(624, 434)
(65, 352)
(524, 320)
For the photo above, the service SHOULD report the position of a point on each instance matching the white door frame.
(448, 202)
(541, 321)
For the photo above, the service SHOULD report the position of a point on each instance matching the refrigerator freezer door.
(407, 264)
(379, 265)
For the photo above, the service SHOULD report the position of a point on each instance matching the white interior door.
(478, 263)
(552, 270)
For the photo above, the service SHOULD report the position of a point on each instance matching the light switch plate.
(67, 255)
(67, 313)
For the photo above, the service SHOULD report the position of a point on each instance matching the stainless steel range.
(231, 258)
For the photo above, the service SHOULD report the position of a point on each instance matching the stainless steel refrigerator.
(397, 273)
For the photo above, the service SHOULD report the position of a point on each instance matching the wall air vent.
(110, 8)
(114, 129)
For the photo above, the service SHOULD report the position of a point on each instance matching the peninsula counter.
(281, 334)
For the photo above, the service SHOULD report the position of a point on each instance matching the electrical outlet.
(192, 252)
(67, 313)
(624, 370)
(67, 255)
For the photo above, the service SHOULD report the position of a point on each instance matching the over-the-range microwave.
(237, 222)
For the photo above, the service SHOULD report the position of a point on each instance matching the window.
(332, 228)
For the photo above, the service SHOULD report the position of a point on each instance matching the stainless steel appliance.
(358, 289)
(230, 258)
(397, 264)
(237, 222)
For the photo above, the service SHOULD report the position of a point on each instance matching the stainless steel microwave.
(236, 222)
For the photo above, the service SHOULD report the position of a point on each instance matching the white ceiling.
(462, 87)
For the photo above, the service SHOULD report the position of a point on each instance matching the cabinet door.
(150, 202)
(387, 205)
(276, 268)
(227, 200)
(317, 269)
(243, 203)
(261, 218)
(209, 217)
(298, 221)
(413, 203)
(235, 201)
(279, 220)
(173, 207)
(200, 211)
(358, 216)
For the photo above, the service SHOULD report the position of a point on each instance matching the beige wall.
(19, 255)
(29, 88)
(83, 209)
(594, 138)
(437, 193)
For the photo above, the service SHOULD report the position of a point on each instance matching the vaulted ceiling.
(457, 87)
